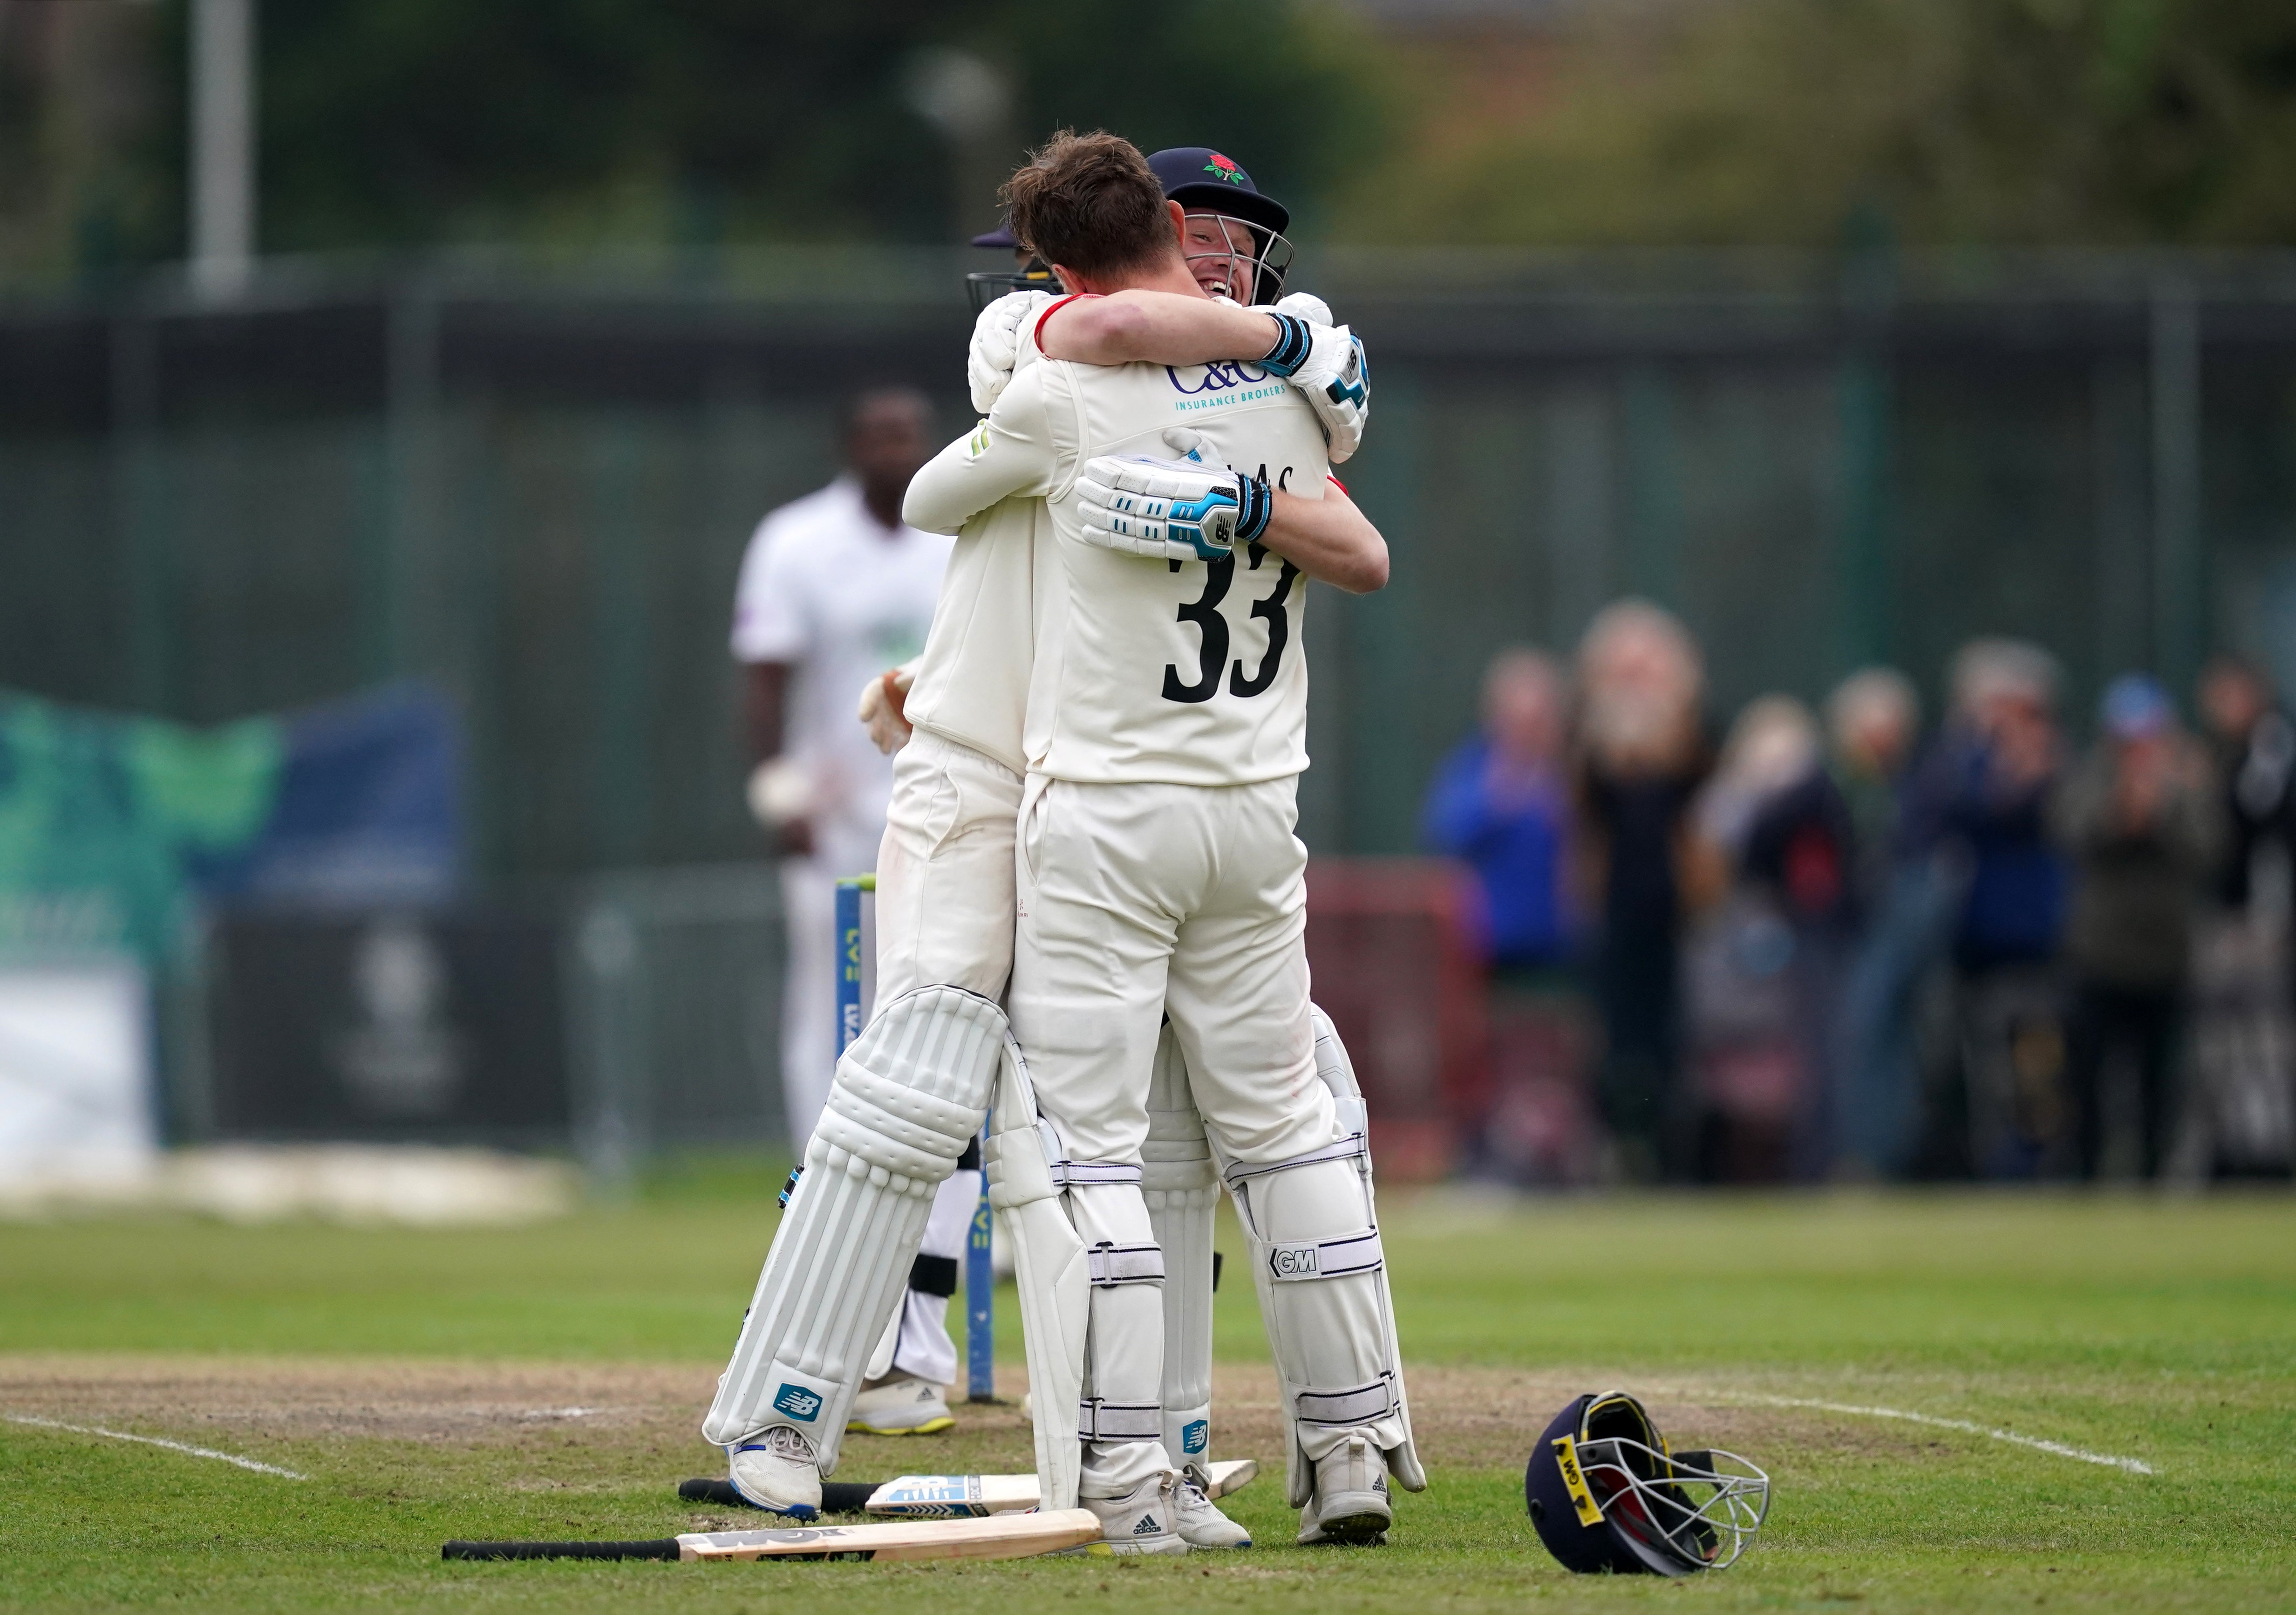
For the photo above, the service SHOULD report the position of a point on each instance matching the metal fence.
(535, 492)
(675, 980)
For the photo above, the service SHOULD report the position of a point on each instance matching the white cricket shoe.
(776, 1470)
(1350, 1504)
(1200, 1521)
(901, 1406)
(1144, 1521)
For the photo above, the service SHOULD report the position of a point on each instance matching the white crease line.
(2134, 1466)
(173, 1446)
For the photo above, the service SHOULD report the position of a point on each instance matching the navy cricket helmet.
(1606, 1493)
(1234, 226)
(1208, 187)
(1028, 272)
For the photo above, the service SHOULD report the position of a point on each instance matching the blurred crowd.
(1841, 945)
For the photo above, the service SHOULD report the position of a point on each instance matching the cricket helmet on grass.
(1606, 1493)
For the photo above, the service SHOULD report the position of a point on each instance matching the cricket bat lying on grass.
(944, 1496)
(1005, 1536)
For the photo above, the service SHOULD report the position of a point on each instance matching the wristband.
(1255, 504)
(1293, 343)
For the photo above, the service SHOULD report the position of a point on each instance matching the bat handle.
(659, 1547)
(837, 1496)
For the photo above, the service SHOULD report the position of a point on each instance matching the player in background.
(1158, 873)
(832, 586)
(945, 882)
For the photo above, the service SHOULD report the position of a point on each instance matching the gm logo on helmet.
(1195, 1435)
(798, 1403)
(1292, 1261)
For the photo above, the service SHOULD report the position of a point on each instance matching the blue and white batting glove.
(1333, 374)
(1171, 510)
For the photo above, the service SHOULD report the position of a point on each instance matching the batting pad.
(1313, 1232)
(1050, 1271)
(1181, 1188)
(910, 1093)
(1337, 1073)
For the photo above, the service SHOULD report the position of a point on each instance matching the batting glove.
(997, 345)
(1171, 510)
(1333, 374)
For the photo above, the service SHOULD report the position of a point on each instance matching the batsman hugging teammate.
(1158, 837)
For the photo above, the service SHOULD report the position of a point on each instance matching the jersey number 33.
(1213, 665)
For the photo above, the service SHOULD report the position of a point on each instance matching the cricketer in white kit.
(944, 873)
(946, 867)
(1158, 874)
(828, 591)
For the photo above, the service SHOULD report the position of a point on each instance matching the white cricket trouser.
(944, 870)
(1136, 901)
(922, 1346)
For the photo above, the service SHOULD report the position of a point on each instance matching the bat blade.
(945, 1496)
(1230, 1476)
(978, 1496)
(954, 1496)
(1001, 1536)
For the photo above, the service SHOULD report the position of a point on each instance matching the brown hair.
(1088, 202)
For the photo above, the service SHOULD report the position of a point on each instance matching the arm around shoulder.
(1009, 453)
(1330, 540)
(1154, 328)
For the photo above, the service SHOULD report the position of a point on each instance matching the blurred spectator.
(1643, 757)
(2256, 758)
(2141, 818)
(2243, 1031)
(1873, 719)
(1979, 803)
(1908, 905)
(1763, 962)
(1501, 804)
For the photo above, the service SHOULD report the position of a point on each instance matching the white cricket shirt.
(973, 685)
(825, 588)
(1147, 671)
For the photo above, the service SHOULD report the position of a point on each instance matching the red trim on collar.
(1335, 483)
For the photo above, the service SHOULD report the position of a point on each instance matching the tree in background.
(421, 120)
(587, 123)
(77, 118)
(1777, 121)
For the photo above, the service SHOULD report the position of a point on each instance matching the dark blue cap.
(1197, 176)
(1193, 175)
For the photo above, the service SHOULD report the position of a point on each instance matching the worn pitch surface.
(547, 1383)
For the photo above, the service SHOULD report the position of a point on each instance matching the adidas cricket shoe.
(1199, 1521)
(901, 1406)
(1144, 1521)
(776, 1470)
(1349, 1503)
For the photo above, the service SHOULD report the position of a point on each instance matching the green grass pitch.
(547, 1381)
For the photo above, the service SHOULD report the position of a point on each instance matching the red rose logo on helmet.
(1224, 168)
